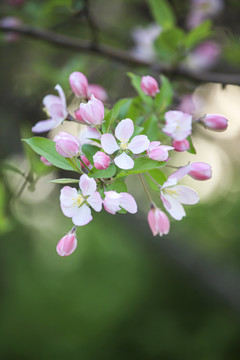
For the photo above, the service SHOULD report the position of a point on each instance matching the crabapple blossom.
(149, 86)
(178, 125)
(98, 91)
(144, 39)
(202, 10)
(101, 160)
(182, 145)
(56, 108)
(173, 196)
(123, 133)
(74, 204)
(91, 113)
(45, 161)
(215, 122)
(79, 84)
(158, 152)
(67, 244)
(200, 171)
(204, 56)
(114, 201)
(158, 222)
(67, 145)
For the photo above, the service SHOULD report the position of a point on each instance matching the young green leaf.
(65, 181)
(151, 127)
(169, 44)
(108, 121)
(101, 174)
(165, 95)
(121, 108)
(141, 165)
(192, 149)
(118, 186)
(199, 33)
(162, 13)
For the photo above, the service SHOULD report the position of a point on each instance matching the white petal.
(173, 206)
(186, 195)
(128, 202)
(111, 202)
(139, 144)
(61, 94)
(124, 130)
(69, 211)
(87, 185)
(95, 201)
(45, 125)
(82, 216)
(124, 161)
(68, 195)
(49, 100)
(180, 173)
(109, 143)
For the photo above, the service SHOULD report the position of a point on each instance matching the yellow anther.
(79, 200)
(123, 145)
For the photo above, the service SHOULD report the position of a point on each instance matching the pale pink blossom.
(101, 160)
(114, 201)
(173, 196)
(123, 133)
(215, 122)
(200, 171)
(178, 125)
(11, 21)
(158, 222)
(158, 152)
(91, 113)
(204, 56)
(149, 86)
(75, 204)
(79, 84)
(68, 243)
(56, 108)
(45, 161)
(182, 145)
(202, 10)
(144, 41)
(98, 91)
(67, 145)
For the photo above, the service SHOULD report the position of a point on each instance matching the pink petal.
(82, 216)
(124, 130)
(173, 206)
(124, 161)
(57, 112)
(180, 173)
(50, 100)
(111, 202)
(95, 201)
(87, 185)
(128, 203)
(109, 143)
(67, 245)
(139, 144)
(186, 195)
(62, 95)
(152, 222)
(45, 125)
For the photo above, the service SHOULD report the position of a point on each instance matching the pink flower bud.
(149, 86)
(98, 91)
(101, 160)
(91, 113)
(86, 162)
(182, 145)
(67, 244)
(200, 171)
(79, 84)
(215, 122)
(158, 222)
(67, 145)
(45, 161)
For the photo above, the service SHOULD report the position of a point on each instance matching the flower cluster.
(110, 148)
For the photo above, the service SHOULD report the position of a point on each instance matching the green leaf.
(198, 34)
(136, 111)
(169, 45)
(101, 174)
(192, 149)
(46, 148)
(89, 151)
(108, 121)
(158, 176)
(64, 181)
(136, 83)
(118, 186)
(141, 165)
(137, 130)
(121, 108)
(162, 13)
(165, 96)
(151, 127)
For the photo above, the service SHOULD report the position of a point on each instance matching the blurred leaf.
(65, 181)
(89, 151)
(136, 110)
(109, 119)
(198, 34)
(137, 130)
(118, 186)
(151, 127)
(165, 96)
(121, 108)
(162, 13)
(107, 173)
(169, 44)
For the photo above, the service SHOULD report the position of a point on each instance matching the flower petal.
(95, 201)
(124, 130)
(45, 125)
(180, 173)
(128, 202)
(68, 195)
(186, 195)
(49, 100)
(109, 143)
(82, 216)
(139, 144)
(61, 94)
(124, 161)
(173, 206)
(87, 185)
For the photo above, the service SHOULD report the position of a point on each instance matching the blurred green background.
(123, 294)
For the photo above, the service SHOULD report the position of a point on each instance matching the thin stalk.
(74, 165)
(145, 189)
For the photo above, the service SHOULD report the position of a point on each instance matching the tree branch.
(120, 55)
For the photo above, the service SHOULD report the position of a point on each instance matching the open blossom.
(202, 10)
(173, 196)
(123, 133)
(204, 56)
(79, 84)
(98, 91)
(149, 86)
(182, 145)
(101, 160)
(215, 122)
(178, 125)
(158, 222)
(158, 152)
(56, 108)
(91, 113)
(67, 244)
(144, 39)
(114, 201)
(74, 204)
(67, 145)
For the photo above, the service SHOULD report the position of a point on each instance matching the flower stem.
(74, 164)
(145, 189)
